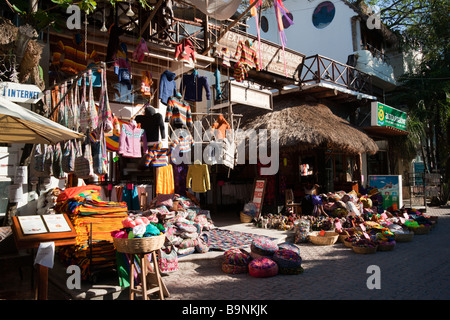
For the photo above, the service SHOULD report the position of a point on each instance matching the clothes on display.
(75, 60)
(153, 124)
(164, 180)
(157, 156)
(140, 51)
(247, 60)
(167, 86)
(130, 140)
(185, 50)
(193, 85)
(198, 177)
(225, 54)
(221, 125)
(178, 112)
(122, 67)
(146, 83)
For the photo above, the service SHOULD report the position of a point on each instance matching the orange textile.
(165, 183)
(222, 125)
(74, 191)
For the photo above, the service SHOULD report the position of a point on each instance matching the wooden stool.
(150, 281)
(139, 250)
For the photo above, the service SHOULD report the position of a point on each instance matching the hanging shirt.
(130, 141)
(198, 178)
(157, 156)
(178, 112)
(225, 55)
(153, 124)
(192, 85)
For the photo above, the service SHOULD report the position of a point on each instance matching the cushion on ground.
(233, 269)
(263, 246)
(289, 246)
(236, 257)
(287, 259)
(262, 268)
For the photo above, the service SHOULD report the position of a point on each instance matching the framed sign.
(259, 188)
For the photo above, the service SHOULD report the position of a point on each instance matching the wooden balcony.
(318, 71)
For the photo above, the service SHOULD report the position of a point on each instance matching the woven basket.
(365, 250)
(404, 237)
(245, 218)
(329, 238)
(342, 237)
(420, 230)
(348, 244)
(139, 245)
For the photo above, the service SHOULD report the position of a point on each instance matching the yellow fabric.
(164, 180)
(198, 178)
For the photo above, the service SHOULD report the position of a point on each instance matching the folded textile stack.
(93, 220)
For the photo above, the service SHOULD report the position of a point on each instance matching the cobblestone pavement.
(413, 270)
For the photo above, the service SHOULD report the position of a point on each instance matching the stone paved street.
(413, 270)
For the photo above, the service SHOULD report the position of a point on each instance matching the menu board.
(43, 224)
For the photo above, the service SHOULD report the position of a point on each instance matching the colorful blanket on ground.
(221, 239)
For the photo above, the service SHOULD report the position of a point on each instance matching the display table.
(32, 241)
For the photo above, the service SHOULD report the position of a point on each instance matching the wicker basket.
(342, 237)
(139, 245)
(404, 237)
(420, 230)
(329, 238)
(245, 218)
(365, 250)
(348, 244)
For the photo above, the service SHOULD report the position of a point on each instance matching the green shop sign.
(383, 115)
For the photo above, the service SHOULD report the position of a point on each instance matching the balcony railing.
(316, 69)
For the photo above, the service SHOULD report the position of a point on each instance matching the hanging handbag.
(68, 157)
(48, 162)
(58, 172)
(83, 161)
(105, 113)
(97, 154)
(92, 109)
(84, 114)
(38, 158)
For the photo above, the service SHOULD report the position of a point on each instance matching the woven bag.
(58, 172)
(48, 161)
(105, 113)
(83, 162)
(92, 109)
(84, 113)
(68, 157)
(39, 157)
(168, 260)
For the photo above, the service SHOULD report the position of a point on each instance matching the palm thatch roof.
(307, 125)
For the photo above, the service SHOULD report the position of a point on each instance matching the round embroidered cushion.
(233, 269)
(263, 247)
(262, 268)
(289, 246)
(287, 259)
(236, 257)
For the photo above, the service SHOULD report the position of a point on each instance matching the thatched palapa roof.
(306, 125)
